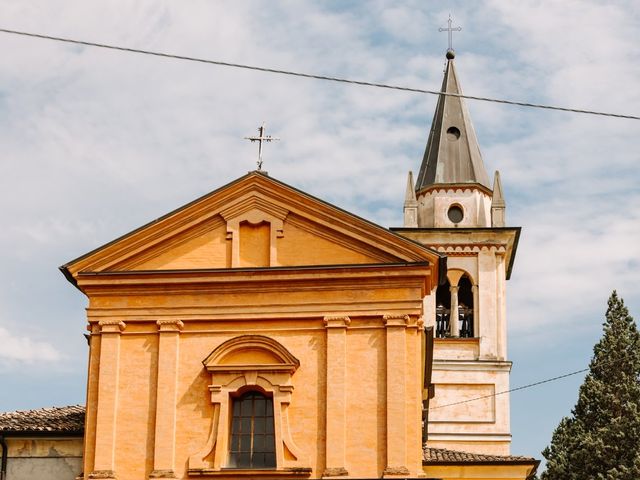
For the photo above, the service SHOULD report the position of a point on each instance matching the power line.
(313, 76)
(510, 390)
(523, 387)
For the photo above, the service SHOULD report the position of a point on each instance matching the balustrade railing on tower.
(443, 329)
(443, 322)
(465, 316)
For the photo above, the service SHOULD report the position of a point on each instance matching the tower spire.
(452, 155)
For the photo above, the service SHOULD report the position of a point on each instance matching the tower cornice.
(461, 187)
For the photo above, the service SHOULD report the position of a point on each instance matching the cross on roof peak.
(260, 139)
(450, 30)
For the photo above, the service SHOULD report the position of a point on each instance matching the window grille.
(252, 437)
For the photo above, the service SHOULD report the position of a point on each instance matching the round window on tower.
(455, 213)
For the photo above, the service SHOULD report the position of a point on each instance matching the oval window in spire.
(453, 133)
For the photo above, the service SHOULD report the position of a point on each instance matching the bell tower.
(454, 209)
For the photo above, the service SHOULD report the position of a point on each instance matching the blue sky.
(96, 143)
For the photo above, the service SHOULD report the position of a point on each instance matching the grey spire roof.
(452, 154)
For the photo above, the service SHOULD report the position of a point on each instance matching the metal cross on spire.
(260, 139)
(450, 30)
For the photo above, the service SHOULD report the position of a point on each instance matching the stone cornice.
(377, 276)
(472, 365)
(467, 238)
(227, 311)
(454, 188)
(469, 437)
(468, 249)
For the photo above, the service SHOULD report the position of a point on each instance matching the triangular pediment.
(255, 221)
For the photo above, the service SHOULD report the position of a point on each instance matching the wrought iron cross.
(450, 30)
(260, 139)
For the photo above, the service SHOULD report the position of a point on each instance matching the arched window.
(443, 309)
(252, 442)
(250, 392)
(465, 307)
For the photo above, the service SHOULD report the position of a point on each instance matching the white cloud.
(20, 349)
(96, 143)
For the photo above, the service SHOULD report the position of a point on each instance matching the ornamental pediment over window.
(250, 393)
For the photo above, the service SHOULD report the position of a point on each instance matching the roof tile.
(55, 420)
(443, 455)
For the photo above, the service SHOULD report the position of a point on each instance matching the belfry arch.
(456, 305)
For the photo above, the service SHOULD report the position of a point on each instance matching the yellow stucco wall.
(162, 301)
(365, 395)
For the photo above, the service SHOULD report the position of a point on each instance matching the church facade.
(259, 332)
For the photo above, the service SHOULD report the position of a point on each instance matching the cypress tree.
(601, 438)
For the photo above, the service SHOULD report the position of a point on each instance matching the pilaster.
(165, 431)
(104, 463)
(92, 398)
(487, 303)
(476, 310)
(501, 306)
(336, 396)
(396, 326)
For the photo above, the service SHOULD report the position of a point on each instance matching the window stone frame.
(229, 379)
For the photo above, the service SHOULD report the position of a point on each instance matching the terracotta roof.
(442, 455)
(55, 420)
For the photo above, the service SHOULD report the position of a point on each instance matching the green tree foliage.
(601, 439)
